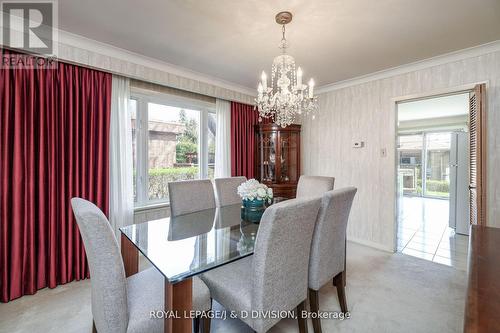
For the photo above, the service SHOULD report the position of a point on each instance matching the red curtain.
(243, 119)
(54, 133)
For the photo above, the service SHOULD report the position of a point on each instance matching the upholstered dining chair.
(121, 304)
(310, 186)
(226, 190)
(189, 196)
(328, 251)
(275, 276)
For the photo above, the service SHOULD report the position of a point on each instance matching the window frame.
(142, 98)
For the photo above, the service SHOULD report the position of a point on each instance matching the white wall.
(365, 111)
(87, 52)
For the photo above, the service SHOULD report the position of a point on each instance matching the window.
(410, 163)
(437, 164)
(173, 139)
(424, 164)
(212, 131)
(133, 126)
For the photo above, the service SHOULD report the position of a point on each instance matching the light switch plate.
(358, 144)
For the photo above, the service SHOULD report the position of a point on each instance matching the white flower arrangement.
(252, 189)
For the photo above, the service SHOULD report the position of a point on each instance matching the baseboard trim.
(369, 243)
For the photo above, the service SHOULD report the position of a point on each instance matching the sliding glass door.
(410, 164)
(424, 168)
(437, 165)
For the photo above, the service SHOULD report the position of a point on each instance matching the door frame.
(455, 90)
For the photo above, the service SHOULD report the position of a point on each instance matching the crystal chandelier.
(286, 96)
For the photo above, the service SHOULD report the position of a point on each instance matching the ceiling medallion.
(286, 97)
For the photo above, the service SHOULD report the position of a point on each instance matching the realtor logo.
(30, 26)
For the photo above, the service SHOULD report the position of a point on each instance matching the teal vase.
(252, 210)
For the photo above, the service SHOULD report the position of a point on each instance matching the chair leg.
(344, 275)
(314, 302)
(338, 281)
(205, 327)
(302, 321)
(196, 325)
(206, 321)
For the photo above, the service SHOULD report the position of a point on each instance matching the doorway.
(433, 178)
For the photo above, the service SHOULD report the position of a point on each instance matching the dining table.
(185, 246)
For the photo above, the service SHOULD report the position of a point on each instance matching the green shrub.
(174, 172)
(159, 179)
(182, 148)
(438, 186)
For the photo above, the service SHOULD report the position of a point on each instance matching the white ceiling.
(332, 40)
(439, 107)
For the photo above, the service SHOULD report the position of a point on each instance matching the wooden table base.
(130, 256)
(178, 300)
(178, 297)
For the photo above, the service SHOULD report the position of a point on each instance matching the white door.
(459, 183)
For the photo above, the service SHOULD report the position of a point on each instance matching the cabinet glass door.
(289, 156)
(268, 156)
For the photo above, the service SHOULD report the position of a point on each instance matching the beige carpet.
(385, 293)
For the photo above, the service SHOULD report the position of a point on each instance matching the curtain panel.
(121, 190)
(223, 139)
(54, 133)
(243, 120)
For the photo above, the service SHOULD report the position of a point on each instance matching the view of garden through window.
(429, 152)
(173, 148)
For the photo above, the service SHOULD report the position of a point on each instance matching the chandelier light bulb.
(299, 78)
(263, 77)
(260, 88)
(311, 88)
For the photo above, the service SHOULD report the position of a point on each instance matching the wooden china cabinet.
(277, 158)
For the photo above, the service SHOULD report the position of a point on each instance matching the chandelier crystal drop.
(286, 96)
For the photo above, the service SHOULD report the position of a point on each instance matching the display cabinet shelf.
(278, 158)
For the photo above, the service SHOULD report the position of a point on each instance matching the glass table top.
(187, 245)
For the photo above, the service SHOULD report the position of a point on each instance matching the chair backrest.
(188, 196)
(190, 225)
(107, 275)
(312, 186)
(328, 244)
(227, 216)
(281, 257)
(226, 190)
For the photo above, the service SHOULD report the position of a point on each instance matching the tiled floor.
(423, 232)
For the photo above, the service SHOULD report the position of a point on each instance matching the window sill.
(151, 207)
